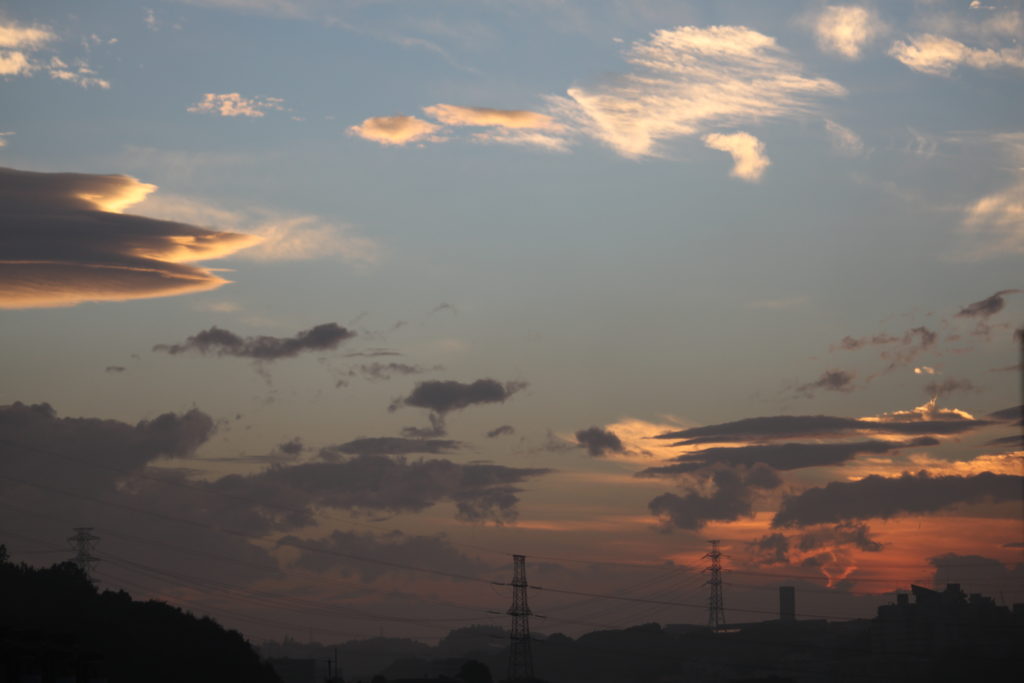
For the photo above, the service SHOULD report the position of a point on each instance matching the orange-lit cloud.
(394, 130)
(940, 55)
(233, 104)
(454, 115)
(65, 240)
(749, 159)
(845, 30)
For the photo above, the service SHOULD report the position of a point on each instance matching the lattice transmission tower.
(716, 613)
(84, 545)
(520, 656)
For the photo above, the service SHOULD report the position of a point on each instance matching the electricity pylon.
(716, 613)
(520, 657)
(84, 544)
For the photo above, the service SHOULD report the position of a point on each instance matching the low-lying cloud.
(885, 497)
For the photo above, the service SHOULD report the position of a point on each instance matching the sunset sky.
(319, 310)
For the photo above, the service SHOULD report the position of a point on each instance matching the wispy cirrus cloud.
(688, 80)
(281, 237)
(65, 240)
(233, 104)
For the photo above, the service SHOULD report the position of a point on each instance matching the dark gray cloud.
(105, 442)
(69, 472)
(599, 441)
(444, 396)
(785, 456)
(220, 342)
(986, 307)
(379, 483)
(729, 502)
(900, 349)
(338, 553)
(441, 397)
(393, 445)
(1008, 414)
(503, 430)
(949, 386)
(845, 533)
(807, 426)
(977, 573)
(385, 371)
(771, 549)
(64, 241)
(882, 497)
(830, 380)
(292, 446)
(372, 353)
(115, 368)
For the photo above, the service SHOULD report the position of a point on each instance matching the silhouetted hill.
(54, 624)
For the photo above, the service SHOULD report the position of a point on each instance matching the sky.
(318, 311)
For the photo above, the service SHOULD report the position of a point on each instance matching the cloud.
(749, 159)
(844, 140)
(830, 380)
(771, 549)
(996, 221)
(785, 456)
(385, 371)
(454, 115)
(64, 240)
(280, 237)
(982, 573)
(884, 497)
(949, 386)
(109, 443)
(394, 130)
(18, 45)
(906, 347)
(940, 56)
(480, 492)
(598, 441)
(844, 533)
(392, 445)
(846, 29)
(338, 552)
(115, 368)
(220, 342)
(503, 136)
(79, 75)
(233, 104)
(729, 501)
(689, 80)
(444, 396)
(924, 420)
(1008, 414)
(292, 447)
(986, 307)
(14, 36)
(503, 430)
(925, 370)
